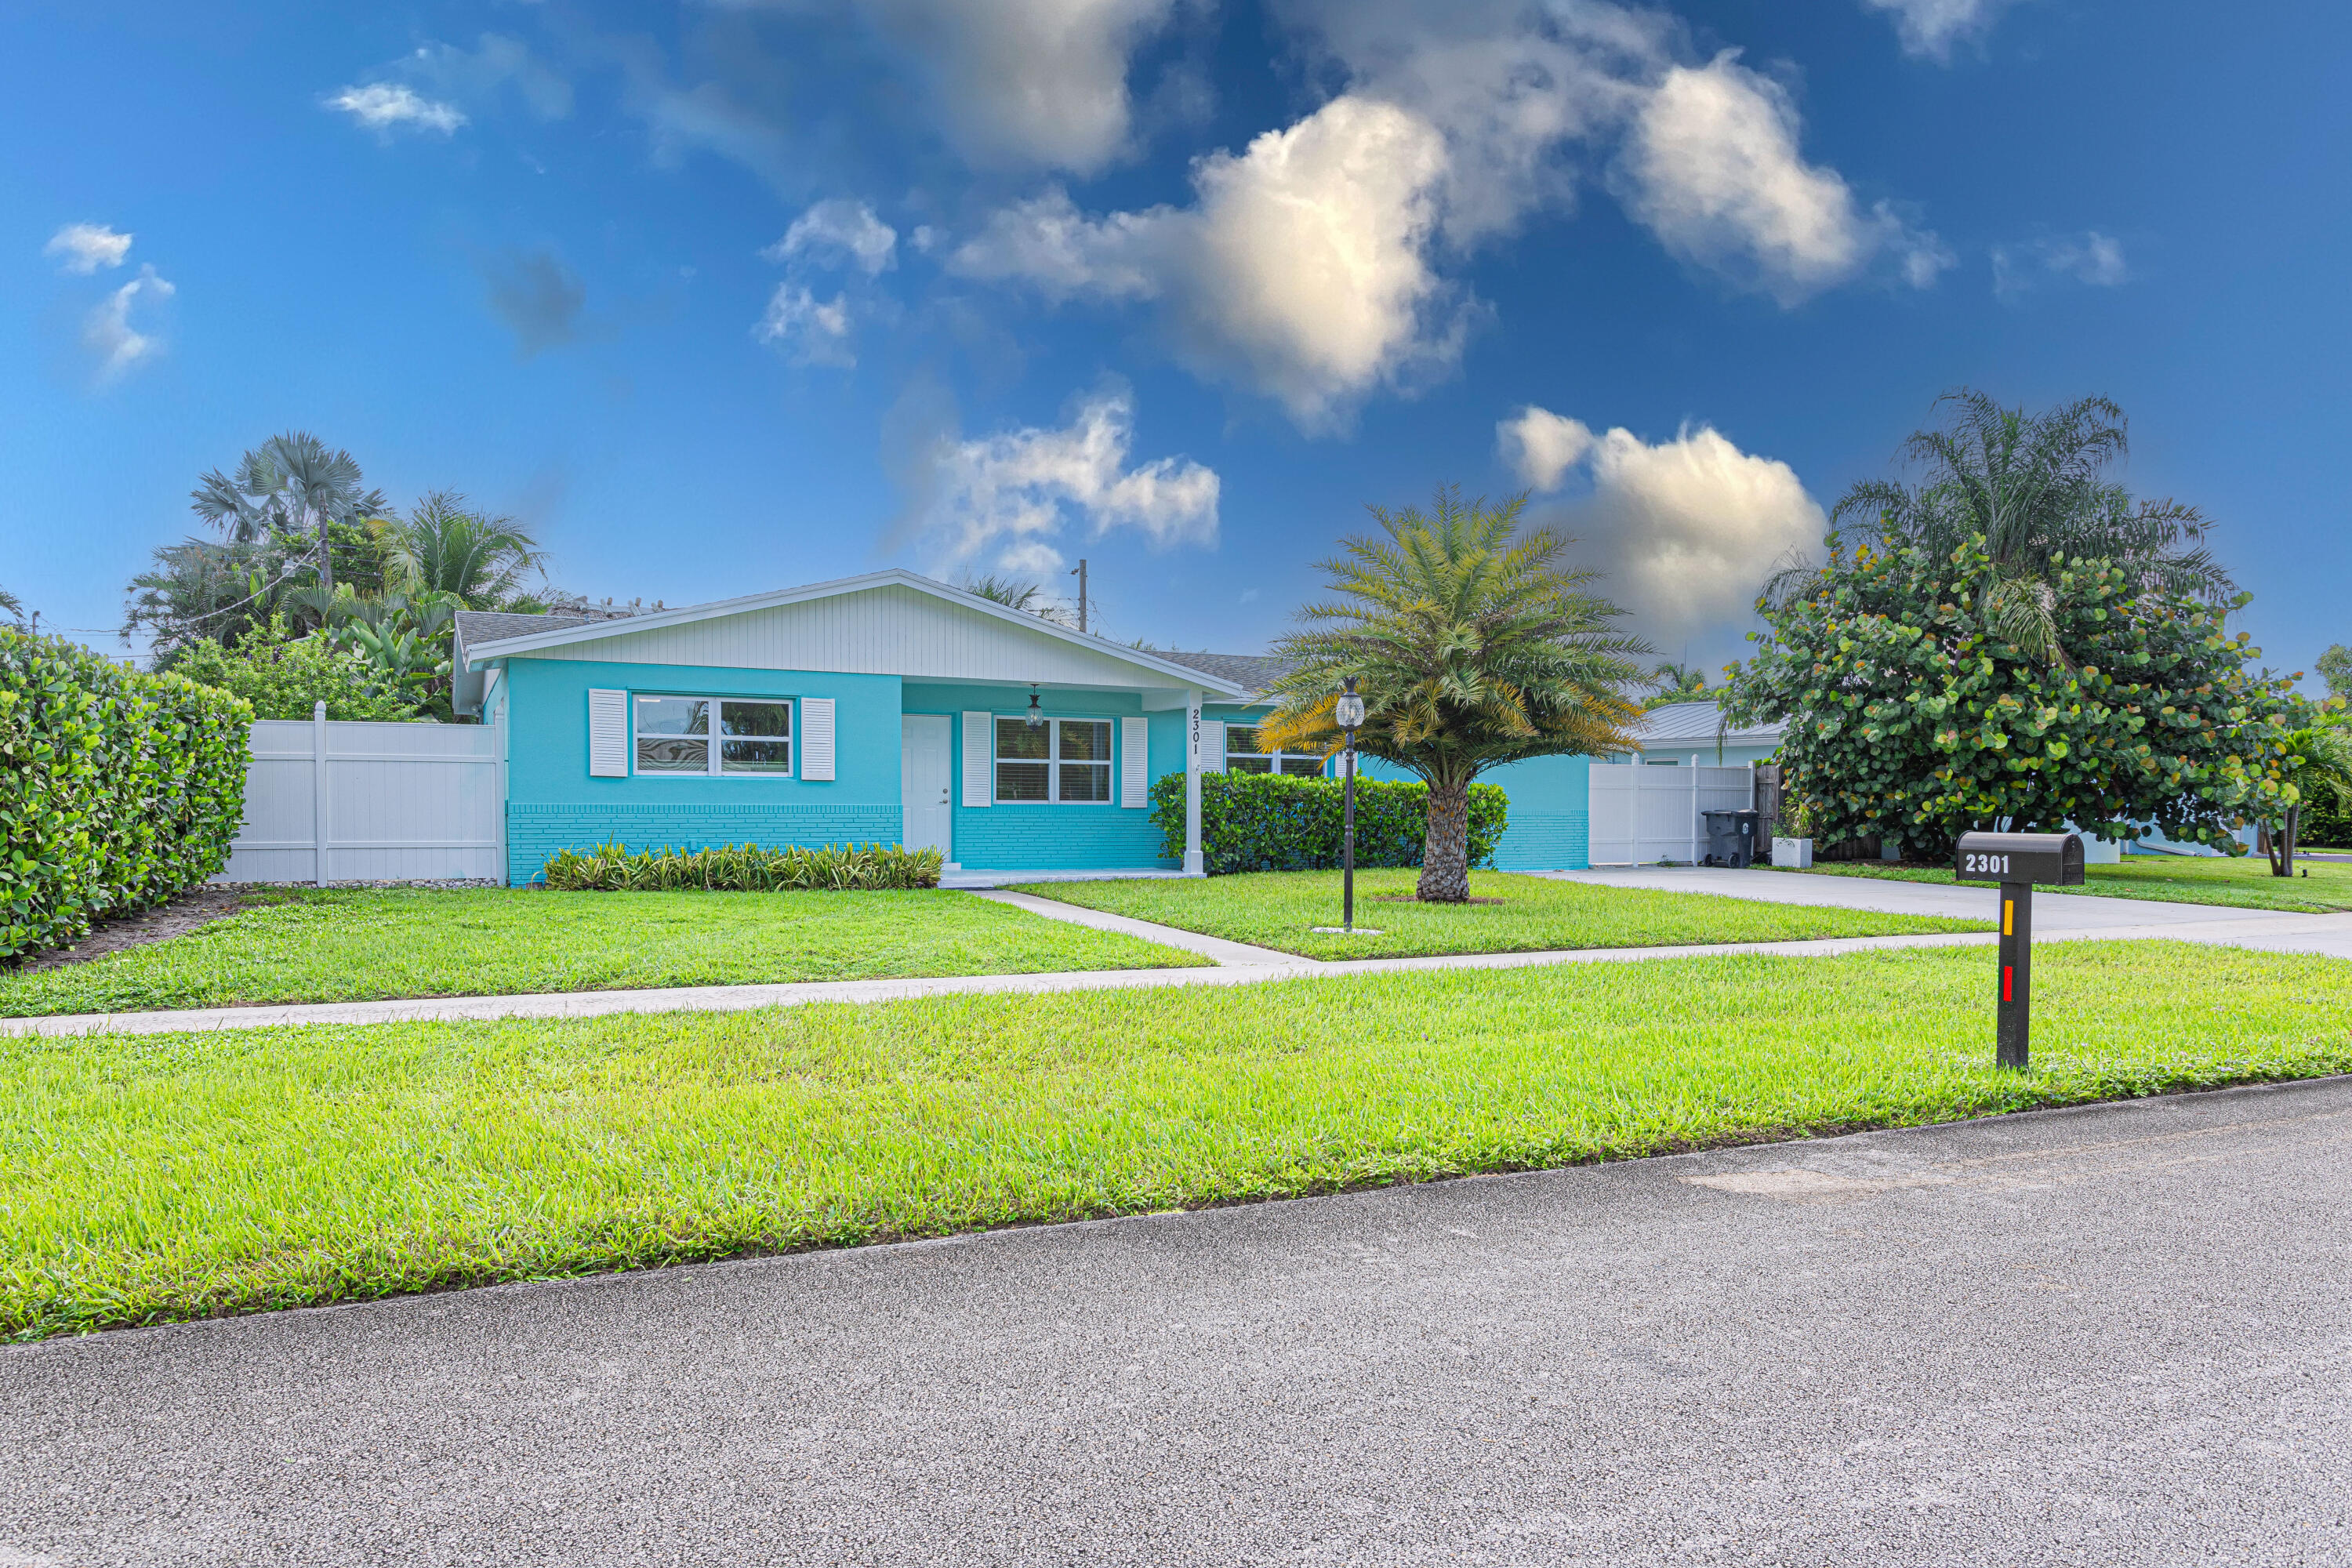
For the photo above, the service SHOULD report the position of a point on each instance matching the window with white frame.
(1062, 761)
(706, 735)
(1243, 756)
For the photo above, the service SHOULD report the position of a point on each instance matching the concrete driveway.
(2116, 1335)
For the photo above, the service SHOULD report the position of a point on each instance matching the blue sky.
(725, 295)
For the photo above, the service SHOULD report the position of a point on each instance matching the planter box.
(1797, 854)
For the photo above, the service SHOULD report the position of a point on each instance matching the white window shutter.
(980, 759)
(1213, 745)
(816, 738)
(1135, 762)
(608, 735)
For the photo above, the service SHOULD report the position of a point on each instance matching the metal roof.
(1695, 724)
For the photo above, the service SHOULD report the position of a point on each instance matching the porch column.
(1193, 864)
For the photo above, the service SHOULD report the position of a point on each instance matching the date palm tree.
(1473, 645)
(2035, 486)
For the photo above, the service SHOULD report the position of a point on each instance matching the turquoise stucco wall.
(1048, 837)
(1550, 812)
(552, 803)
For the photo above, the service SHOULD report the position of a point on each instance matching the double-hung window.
(706, 735)
(1065, 761)
(1243, 756)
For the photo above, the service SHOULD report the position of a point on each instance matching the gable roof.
(545, 633)
(1695, 724)
(1254, 672)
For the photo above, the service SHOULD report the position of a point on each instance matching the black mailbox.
(2052, 859)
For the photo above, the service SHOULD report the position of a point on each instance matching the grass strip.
(2319, 886)
(150, 1178)
(360, 944)
(1529, 914)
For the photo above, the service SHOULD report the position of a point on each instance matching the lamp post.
(1349, 711)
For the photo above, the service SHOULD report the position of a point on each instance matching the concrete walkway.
(2057, 918)
(2107, 1336)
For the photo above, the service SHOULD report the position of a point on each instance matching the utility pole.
(1079, 571)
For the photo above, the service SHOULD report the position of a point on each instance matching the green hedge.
(746, 869)
(116, 789)
(1268, 822)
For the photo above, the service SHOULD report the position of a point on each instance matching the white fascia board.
(895, 577)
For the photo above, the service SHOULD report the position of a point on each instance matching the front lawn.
(345, 945)
(1531, 914)
(2243, 883)
(153, 1177)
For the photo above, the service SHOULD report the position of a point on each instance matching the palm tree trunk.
(1445, 851)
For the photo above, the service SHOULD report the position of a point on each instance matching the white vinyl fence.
(337, 801)
(1643, 815)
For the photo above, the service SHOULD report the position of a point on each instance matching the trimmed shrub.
(118, 789)
(1270, 822)
(743, 868)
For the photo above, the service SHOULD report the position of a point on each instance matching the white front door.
(923, 781)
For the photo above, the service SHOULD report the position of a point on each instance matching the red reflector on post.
(2007, 975)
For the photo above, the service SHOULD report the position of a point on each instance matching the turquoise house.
(886, 707)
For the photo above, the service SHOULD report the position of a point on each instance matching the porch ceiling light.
(1035, 716)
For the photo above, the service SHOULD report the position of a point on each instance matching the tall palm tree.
(443, 547)
(1471, 645)
(290, 483)
(2034, 488)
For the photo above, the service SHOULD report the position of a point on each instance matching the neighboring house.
(1693, 734)
(886, 707)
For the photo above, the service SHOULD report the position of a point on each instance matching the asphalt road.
(2118, 1335)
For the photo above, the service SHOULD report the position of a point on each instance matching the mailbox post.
(2018, 861)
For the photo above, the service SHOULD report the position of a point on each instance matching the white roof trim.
(1178, 673)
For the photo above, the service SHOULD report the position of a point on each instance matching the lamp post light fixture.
(1349, 711)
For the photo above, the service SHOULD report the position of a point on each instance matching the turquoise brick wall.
(535, 833)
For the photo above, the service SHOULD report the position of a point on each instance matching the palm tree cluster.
(297, 533)
(1471, 645)
(2036, 488)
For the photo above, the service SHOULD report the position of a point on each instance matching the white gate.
(341, 800)
(1641, 814)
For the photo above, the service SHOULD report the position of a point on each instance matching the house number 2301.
(1987, 865)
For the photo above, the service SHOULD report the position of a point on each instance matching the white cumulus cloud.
(108, 332)
(83, 248)
(809, 331)
(839, 231)
(1931, 27)
(1712, 166)
(1541, 446)
(1300, 269)
(1006, 498)
(1687, 530)
(385, 107)
(1029, 83)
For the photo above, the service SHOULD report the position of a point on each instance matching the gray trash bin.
(1731, 838)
